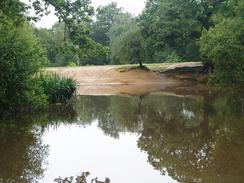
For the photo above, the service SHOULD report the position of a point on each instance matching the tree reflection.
(91, 108)
(193, 139)
(22, 152)
(115, 114)
(209, 151)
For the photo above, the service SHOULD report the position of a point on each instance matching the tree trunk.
(65, 32)
(139, 58)
(140, 63)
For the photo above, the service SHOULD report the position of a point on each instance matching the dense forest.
(211, 31)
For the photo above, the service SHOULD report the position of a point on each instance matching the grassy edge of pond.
(160, 67)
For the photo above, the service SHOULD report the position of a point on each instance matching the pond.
(158, 138)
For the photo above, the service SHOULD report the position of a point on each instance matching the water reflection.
(189, 138)
(22, 152)
(193, 139)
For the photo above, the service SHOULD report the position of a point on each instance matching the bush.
(173, 57)
(223, 45)
(58, 89)
(21, 56)
(71, 64)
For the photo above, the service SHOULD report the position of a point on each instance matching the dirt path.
(108, 80)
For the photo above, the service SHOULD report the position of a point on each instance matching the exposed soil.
(108, 80)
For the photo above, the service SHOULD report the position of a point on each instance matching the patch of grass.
(58, 89)
(158, 67)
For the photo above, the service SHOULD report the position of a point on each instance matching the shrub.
(223, 45)
(173, 57)
(21, 56)
(58, 89)
(71, 64)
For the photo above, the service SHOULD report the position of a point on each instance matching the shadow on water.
(190, 138)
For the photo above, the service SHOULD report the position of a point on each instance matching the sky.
(134, 7)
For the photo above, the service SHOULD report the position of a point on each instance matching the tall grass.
(58, 89)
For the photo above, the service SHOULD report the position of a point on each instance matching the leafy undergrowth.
(58, 89)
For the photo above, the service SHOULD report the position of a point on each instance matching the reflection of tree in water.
(126, 113)
(114, 114)
(117, 114)
(91, 108)
(211, 151)
(194, 139)
(22, 151)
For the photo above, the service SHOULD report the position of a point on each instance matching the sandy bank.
(109, 80)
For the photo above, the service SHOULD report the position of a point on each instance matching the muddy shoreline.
(109, 80)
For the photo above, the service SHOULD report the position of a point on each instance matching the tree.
(171, 27)
(21, 57)
(88, 48)
(126, 41)
(14, 9)
(122, 23)
(68, 11)
(223, 45)
(208, 9)
(49, 39)
(105, 18)
(128, 47)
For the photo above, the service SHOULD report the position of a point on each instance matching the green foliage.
(49, 40)
(128, 48)
(71, 64)
(14, 9)
(57, 88)
(126, 41)
(21, 56)
(224, 46)
(70, 12)
(87, 48)
(70, 39)
(105, 18)
(79, 48)
(122, 24)
(171, 26)
(173, 57)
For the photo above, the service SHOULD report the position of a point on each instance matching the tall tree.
(72, 12)
(171, 27)
(223, 45)
(105, 18)
(68, 11)
(14, 9)
(128, 47)
(122, 23)
(207, 9)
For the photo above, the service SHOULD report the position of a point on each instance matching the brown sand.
(107, 80)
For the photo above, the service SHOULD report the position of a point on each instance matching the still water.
(158, 138)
